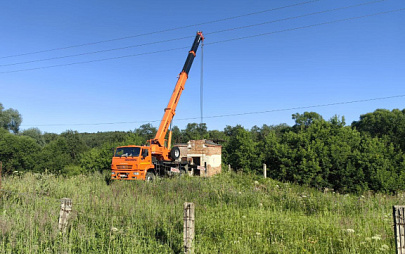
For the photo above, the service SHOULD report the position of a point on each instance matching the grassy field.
(234, 214)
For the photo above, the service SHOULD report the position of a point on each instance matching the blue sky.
(288, 67)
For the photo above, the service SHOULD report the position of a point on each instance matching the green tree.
(75, 144)
(176, 135)
(34, 133)
(55, 156)
(383, 123)
(259, 134)
(146, 131)
(133, 139)
(98, 158)
(194, 131)
(241, 151)
(329, 154)
(10, 119)
(306, 119)
(17, 152)
(217, 136)
(98, 139)
(49, 137)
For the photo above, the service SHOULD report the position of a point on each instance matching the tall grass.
(234, 214)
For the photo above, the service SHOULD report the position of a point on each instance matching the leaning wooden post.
(65, 209)
(399, 226)
(188, 235)
(264, 170)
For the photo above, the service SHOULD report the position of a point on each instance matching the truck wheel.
(150, 177)
(175, 153)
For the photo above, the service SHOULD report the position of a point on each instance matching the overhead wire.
(97, 51)
(306, 26)
(307, 107)
(187, 37)
(211, 43)
(296, 17)
(96, 60)
(165, 30)
(238, 114)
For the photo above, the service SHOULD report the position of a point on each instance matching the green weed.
(235, 213)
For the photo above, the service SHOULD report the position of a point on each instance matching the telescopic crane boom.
(159, 141)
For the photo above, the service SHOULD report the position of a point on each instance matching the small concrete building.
(204, 154)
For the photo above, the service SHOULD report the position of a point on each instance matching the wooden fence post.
(188, 235)
(1, 169)
(399, 226)
(229, 168)
(65, 209)
(264, 170)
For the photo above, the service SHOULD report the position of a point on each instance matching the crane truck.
(156, 158)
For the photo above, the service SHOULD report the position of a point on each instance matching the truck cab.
(131, 162)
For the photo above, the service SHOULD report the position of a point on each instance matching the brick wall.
(203, 151)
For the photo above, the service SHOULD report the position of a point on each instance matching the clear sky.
(276, 66)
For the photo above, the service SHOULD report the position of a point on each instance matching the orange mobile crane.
(156, 158)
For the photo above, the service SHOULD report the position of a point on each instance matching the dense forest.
(366, 155)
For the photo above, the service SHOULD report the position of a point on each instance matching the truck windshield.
(127, 152)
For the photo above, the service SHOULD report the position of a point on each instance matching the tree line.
(366, 155)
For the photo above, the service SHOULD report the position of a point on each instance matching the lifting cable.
(202, 158)
(202, 80)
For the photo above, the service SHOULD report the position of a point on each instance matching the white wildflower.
(350, 230)
(376, 237)
(384, 247)
(114, 229)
